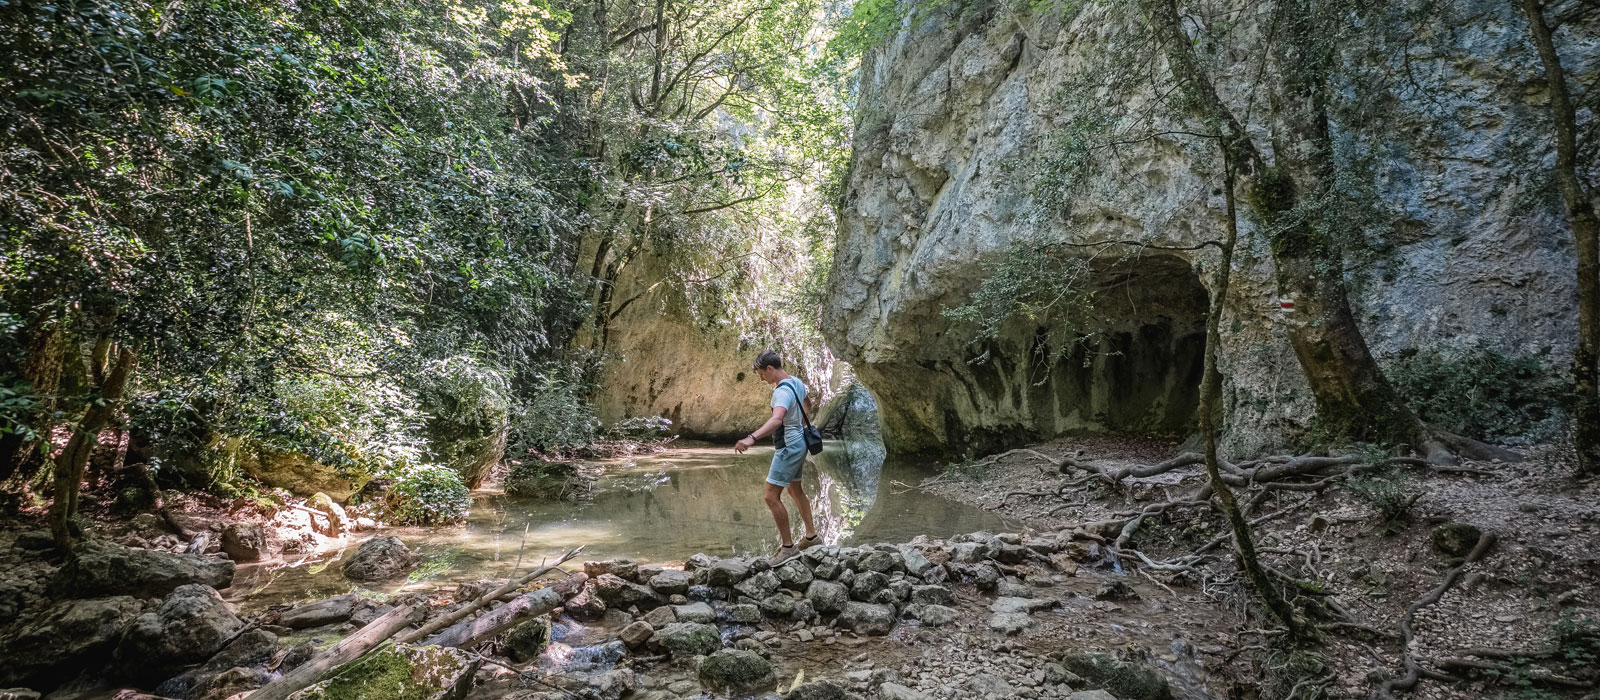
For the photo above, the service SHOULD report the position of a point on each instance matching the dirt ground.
(1536, 586)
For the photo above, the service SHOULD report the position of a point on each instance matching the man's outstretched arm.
(767, 428)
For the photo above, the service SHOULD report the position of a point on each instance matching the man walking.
(788, 457)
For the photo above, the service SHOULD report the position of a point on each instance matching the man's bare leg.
(803, 504)
(780, 514)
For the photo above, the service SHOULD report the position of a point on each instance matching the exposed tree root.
(1414, 670)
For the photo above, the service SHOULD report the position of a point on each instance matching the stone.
(936, 574)
(253, 649)
(67, 637)
(622, 568)
(380, 559)
(827, 597)
(698, 562)
(97, 568)
(34, 541)
(794, 575)
(968, 552)
(325, 612)
(611, 685)
(867, 584)
(1116, 589)
(777, 605)
(895, 691)
(400, 671)
(1009, 622)
(744, 613)
(914, 560)
(828, 569)
(1014, 589)
(585, 605)
(706, 593)
(1020, 605)
(1091, 695)
(987, 685)
(1455, 539)
(1125, 680)
(867, 618)
(804, 611)
(932, 615)
(663, 616)
(229, 683)
(528, 639)
(759, 586)
(727, 572)
(695, 612)
(1056, 674)
(686, 639)
(244, 541)
(879, 561)
(189, 626)
(987, 578)
(899, 590)
(819, 690)
(671, 581)
(635, 635)
(621, 593)
(925, 595)
(737, 671)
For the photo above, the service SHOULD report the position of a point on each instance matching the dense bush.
(1479, 393)
(428, 494)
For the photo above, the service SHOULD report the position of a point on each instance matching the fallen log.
(347, 650)
(444, 621)
(491, 624)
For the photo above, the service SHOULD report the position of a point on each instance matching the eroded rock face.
(58, 643)
(380, 559)
(99, 568)
(953, 114)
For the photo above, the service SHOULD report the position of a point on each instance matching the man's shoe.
(783, 554)
(809, 542)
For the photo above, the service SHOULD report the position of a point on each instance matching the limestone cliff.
(952, 108)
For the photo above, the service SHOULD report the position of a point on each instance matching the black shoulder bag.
(813, 436)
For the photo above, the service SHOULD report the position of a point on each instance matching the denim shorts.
(787, 461)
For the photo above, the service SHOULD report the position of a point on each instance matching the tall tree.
(1586, 238)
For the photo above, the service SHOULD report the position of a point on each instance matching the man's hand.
(743, 444)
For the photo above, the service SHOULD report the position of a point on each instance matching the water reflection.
(657, 508)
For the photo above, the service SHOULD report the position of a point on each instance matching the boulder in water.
(98, 568)
(1123, 679)
(380, 559)
(324, 612)
(190, 625)
(737, 671)
(67, 637)
(244, 541)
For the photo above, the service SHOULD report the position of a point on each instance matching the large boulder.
(190, 625)
(97, 568)
(1125, 680)
(380, 559)
(737, 671)
(672, 581)
(244, 541)
(622, 594)
(401, 672)
(253, 649)
(63, 640)
(687, 639)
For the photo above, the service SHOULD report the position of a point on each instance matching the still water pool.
(660, 508)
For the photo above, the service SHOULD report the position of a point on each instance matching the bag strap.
(803, 417)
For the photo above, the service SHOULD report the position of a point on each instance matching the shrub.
(1388, 493)
(1479, 393)
(429, 494)
(555, 418)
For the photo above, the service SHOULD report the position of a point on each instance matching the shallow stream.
(659, 508)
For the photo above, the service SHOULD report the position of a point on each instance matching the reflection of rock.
(851, 415)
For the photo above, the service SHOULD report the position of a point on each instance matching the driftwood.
(444, 621)
(347, 650)
(490, 624)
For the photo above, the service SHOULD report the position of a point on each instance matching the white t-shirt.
(791, 402)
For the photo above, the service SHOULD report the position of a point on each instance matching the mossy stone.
(1456, 539)
(1125, 680)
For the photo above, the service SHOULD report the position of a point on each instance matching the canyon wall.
(952, 109)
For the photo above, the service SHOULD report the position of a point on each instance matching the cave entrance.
(1140, 372)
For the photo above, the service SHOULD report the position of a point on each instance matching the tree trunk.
(70, 463)
(1210, 393)
(490, 624)
(1586, 239)
(347, 650)
(1354, 399)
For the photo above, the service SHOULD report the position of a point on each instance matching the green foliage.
(1479, 393)
(1577, 640)
(555, 418)
(429, 495)
(1037, 284)
(1388, 492)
